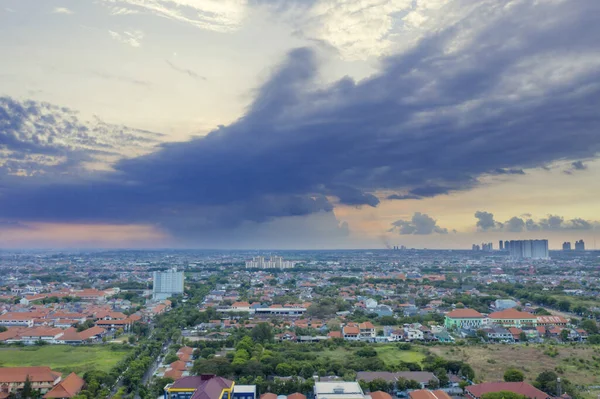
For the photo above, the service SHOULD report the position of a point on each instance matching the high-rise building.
(501, 245)
(167, 284)
(566, 246)
(579, 245)
(476, 247)
(528, 249)
(276, 262)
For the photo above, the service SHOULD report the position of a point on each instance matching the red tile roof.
(511, 314)
(522, 388)
(36, 374)
(296, 395)
(464, 314)
(380, 395)
(67, 388)
(427, 394)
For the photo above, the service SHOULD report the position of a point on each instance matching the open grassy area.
(580, 363)
(63, 358)
(388, 353)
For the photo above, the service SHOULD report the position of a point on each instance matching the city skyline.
(298, 124)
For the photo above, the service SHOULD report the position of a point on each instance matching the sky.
(242, 124)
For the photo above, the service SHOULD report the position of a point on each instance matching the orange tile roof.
(512, 314)
(67, 388)
(36, 374)
(351, 330)
(296, 395)
(464, 314)
(380, 395)
(427, 394)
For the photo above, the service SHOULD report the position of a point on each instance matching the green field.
(391, 355)
(63, 358)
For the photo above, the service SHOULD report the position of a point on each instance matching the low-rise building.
(13, 379)
(338, 390)
(513, 318)
(464, 318)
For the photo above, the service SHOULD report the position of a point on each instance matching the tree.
(590, 326)
(463, 384)
(284, 369)
(27, 391)
(502, 395)
(442, 376)
(564, 335)
(546, 381)
(262, 333)
(522, 336)
(513, 375)
(564, 305)
(467, 372)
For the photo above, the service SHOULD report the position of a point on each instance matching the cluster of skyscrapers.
(527, 249)
(486, 246)
(167, 284)
(276, 262)
(579, 246)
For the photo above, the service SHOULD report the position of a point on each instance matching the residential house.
(67, 388)
(367, 331)
(552, 321)
(521, 388)
(351, 332)
(498, 334)
(427, 394)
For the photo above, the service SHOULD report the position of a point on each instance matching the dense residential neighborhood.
(398, 323)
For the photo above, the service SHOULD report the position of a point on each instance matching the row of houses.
(42, 379)
(52, 335)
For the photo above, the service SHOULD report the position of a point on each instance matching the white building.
(167, 284)
(338, 390)
(276, 262)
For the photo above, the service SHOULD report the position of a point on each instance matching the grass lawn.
(390, 354)
(63, 358)
(580, 363)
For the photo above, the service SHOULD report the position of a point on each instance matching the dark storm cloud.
(420, 224)
(504, 171)
(459, 105)
(485, 221)
(403, 197)
(517, 224)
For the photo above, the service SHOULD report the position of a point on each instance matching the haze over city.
(298, 123)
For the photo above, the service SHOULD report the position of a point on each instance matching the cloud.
(485, 221)
(403, 197)
(420, 224)
(62, 10)
(360, 29)
(213, 15)
(499, 89)
(37, 138)
(504, 171)
(132, 38)
(517, 224)
(188, 72)
(119, 78)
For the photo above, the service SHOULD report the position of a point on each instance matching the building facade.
(167, 284)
